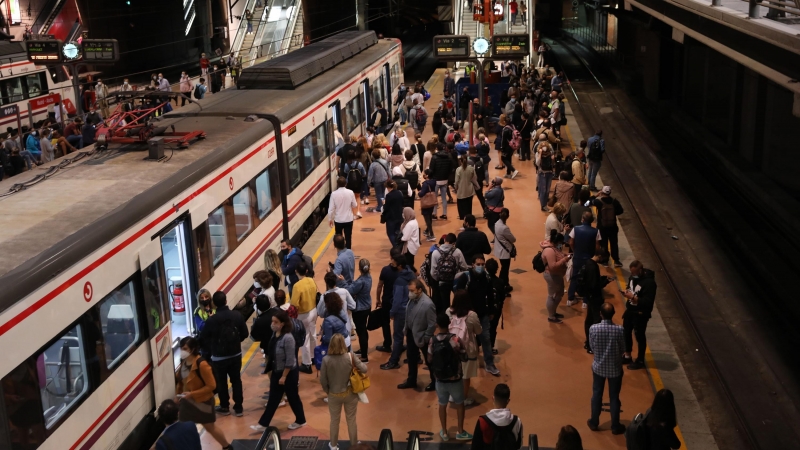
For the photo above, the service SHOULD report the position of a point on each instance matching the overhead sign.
(100, 50)
(510, 45)
(44, 52)
(451, 46)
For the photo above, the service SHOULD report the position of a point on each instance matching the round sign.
(88, 291)
(230, 183)
(71, 51)
(480, 45)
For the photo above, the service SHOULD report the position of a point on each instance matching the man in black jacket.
(472, 242)
(478, 285)
(441, 166)
(261, 331)
(222, 337)
(641, 295)
(591, 284)
(463, 106)
(290, 258)
(608, 208)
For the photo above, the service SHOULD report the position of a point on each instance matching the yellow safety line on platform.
(650, 363)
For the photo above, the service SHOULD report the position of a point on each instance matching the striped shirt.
(608, 344)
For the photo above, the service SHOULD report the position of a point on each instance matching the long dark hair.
(662, 412)
(461, 303)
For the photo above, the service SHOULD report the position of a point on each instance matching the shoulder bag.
(359, 382)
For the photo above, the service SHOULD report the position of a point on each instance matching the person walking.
(392, 214)
(478, 285)
(334, 377)
(506, 149)
(223, 335)
(660, 422)
(204, 63)
(361, 289)
(200, 89)
(441, 166)
(608, 208)
(445, 354)
(428, 187)
(409, 236)
(195, 384)
(584, 241)
(555, 267)
(640, 299)
(503, 247)
(466, 324)
(419, 326)
(495, 197)
(285, 376)
(185, 88)
(608, 341)
(466, 183)
(597, 148)
(303, 296)
(341, 210)
(523, 11)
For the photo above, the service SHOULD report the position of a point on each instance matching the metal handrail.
(789, 7)
(270, 436)
(533, 442)
(386, 442)
(413, 441)
(242, 31)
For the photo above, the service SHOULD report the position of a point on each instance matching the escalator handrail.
(533, 442)
(386, 442)
(267, 437)
(413, 441)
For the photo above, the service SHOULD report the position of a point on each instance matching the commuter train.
(100, 264)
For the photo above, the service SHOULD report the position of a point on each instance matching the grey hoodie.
(462, 263)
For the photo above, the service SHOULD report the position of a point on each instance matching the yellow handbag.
(359, 382)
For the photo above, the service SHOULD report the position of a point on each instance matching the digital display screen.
(450, 46)
(510, 45)
(99, 50)
(44, 51)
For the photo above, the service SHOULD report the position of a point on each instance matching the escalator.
(385, 442)
(59, 18)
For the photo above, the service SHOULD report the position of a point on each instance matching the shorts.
(447, 389)
(470, 368)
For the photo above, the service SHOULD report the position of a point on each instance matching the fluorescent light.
(188, 9)
(189, 25)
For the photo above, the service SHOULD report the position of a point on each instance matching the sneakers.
(492, 370)
(513, 175)
(363, 201)
(555, 320)
(636, 365)
(239, 413)
(431, 239)
(295, 425)
(443, 435)
(390, 366)
(617, 264)
(619, 429)
(384, 349)
(359, 215)
(464, 436)
(442, 217)
(366, 201)
(257, 427)
(572, 302)
(332, 447)
(222, 411)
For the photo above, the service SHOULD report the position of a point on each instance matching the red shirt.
(204, 63)
(513, 7)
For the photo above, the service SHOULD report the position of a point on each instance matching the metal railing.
(776, 7)
(386, 442)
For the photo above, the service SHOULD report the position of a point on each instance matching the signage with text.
(451, 46)
(100, 50)
(8, 111)
(44, 52)
(511, 45)
(41, 102)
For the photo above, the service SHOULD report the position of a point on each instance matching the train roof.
(54, 224)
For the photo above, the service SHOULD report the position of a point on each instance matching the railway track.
(754, 379)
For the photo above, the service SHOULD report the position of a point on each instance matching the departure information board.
(100, 50)
(510, 45)
(44, 52)
(451, 46)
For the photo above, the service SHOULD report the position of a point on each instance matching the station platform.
(544, 364)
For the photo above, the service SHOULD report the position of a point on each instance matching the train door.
(175, 248)
(366, 104)
(333, 122)
(387, 76)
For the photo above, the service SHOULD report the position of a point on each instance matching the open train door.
(333, 121)
(151, 264)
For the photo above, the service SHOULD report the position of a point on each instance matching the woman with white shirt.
(402, 140)
(410, 237)
(48, 152)
(554, 221)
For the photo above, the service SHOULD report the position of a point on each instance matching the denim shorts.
(447, 389)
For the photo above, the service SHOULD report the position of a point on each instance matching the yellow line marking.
(323, 246)
(569, 137)
(652, 370)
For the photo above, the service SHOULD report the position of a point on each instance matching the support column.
(361, 14)
(753, 12)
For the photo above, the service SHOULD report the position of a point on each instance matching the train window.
(308, 153)
(264, 195)
(274, 184)
(395, 70)
(155, 301)
(11, 90)
(295, 172)
(33, 84)
(241, 213)
(202, 242)
(378, 92)
(218, 235)
(119, 322)
(62, 376)
(352, 114)
(319, 143)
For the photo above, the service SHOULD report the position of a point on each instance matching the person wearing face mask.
(398, 311)
(555, 267)
(509, 109)
(101, 91)
(419, 325)
(260, 330)
(641, 296)
(196, 384)
(186, 88)
(93, 117)
(449, 83)
(163, 84)
(477, 284)
(204, 310)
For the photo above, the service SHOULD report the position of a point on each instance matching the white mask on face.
(185, 354)
(256, 285)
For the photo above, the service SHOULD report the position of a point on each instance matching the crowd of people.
(444, 308)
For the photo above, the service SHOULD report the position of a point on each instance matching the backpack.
(595, 151)
(447, 267)
(425, 270)
(412, 176)
(606, 215)
(445, 361)
(298, 332)
(228, 342)
(421, 117)
(538, 263)
(451, 136)
(516, 139)
(546, 159)
(636, 435)
(196, 92)
(580, 280)
(502, 437)
(354, 179)
(310, 264)
(458, 326)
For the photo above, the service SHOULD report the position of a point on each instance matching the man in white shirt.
(342, 210)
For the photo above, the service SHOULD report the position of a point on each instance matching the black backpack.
(607, 216)
(546, 159)
(595, 151)
(228, 342)
(354, 178)
(636, 435)
(196, 92)
(445, 361)
(538, 263)
(298, 332)
(503, 437)
(413, 177)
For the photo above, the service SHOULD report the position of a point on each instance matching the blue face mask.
(478, 269)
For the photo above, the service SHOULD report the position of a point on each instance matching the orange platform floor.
(544, 364)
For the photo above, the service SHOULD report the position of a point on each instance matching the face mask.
(185, 354)
(256, 285)
(513, 100)
(204, 303)
(275, 328)
(635, 277)
(478, 269)
(413, 296)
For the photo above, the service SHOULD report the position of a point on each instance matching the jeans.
(224, 369)
(428, 215)
(403, 116)
(555, 291)
(364, 189)
(345, 228)
(496, 322)
(594, 167)
(276, 391)
(75, 141)
(481, 200)
(350, 404)
(598, 386)
(464, 206)
(441, 190)
(380, 194)
(544, 181)
(507, 162)
(392, 229)
(540, 62)
(413, 355)
(577, 263)
(513, 18)
(486, 341)
(445, 288)
(638, 325)
(492, 218)
(360, 321)
(577, 192)
(610, 235)
(28, 157)
(505, 265)
(309, 320)
(397, 335)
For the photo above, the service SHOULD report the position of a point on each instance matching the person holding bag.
(428, 202)
(195, 386)
(337, 368)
